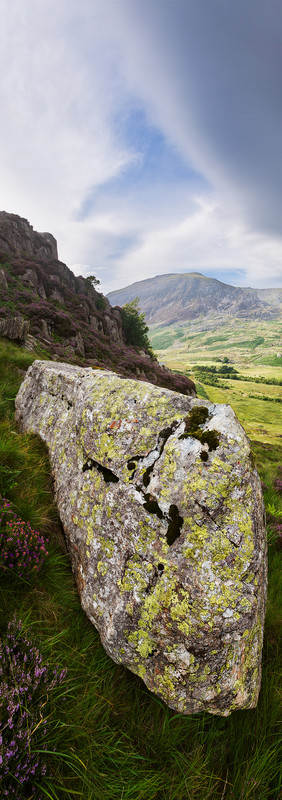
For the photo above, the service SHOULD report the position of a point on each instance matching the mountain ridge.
(168, 298)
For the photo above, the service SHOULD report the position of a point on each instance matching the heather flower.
(278, 532)
(22, 549)
(26, 685)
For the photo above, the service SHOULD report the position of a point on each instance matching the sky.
(146, 135)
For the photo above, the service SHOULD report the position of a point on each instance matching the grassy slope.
(111, 739)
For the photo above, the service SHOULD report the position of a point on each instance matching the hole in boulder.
(161, 567)
(152, 506)
(166, 432)
(108, 475)
(198, 650)
(174, 526)
(131, 465)
(68, 402)
(146, 476)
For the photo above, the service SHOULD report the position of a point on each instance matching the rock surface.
(17, 237)
(3, 280)
(163, 515)
(14, 328)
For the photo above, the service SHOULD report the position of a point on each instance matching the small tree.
(93, 281)
(134, 325)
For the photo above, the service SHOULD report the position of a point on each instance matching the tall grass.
(108, 737)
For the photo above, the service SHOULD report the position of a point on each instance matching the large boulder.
(163, 515)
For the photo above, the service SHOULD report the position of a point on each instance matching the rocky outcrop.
(66, 314)
(3, 280)
(14, 328)
(18, 238)
(79, 345)
(163, 515)
(55, 281)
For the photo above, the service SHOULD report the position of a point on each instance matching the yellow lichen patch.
(166, 683)
(142, 641)
(135, 576)
(129, 607)
(144, 536)
(106, 546)
(168, 464)
(140, 670)
(90, 532)
(102, 567)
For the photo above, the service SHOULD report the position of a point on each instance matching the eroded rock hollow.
(163, 516)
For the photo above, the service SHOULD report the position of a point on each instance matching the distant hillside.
(172, 298)
(271, 296)
(46, 308)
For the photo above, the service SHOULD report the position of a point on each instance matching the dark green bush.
(134, 325)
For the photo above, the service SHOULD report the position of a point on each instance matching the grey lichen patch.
(162, 509)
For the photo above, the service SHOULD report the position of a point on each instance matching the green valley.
(251, 348)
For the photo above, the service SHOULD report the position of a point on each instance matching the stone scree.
(163, 515)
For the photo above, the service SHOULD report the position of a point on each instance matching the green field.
(106, 736)
(253, 349)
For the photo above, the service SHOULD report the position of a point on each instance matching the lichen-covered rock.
(14, 328)
(163, 515)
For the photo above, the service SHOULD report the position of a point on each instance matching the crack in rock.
(175, 524)
(108, 475)
(175, 520)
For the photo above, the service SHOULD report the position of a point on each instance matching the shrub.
(100, 302)
(26, 686)
(93, 281)
(134, 325)
(22, 549)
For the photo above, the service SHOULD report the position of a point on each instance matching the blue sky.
(146, 134)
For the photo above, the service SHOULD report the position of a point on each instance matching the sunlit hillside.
(252, 348)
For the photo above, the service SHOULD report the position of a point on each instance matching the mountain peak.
(180, 297)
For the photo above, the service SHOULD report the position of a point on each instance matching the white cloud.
(71, 73)
(56, 139)
(205, 241)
